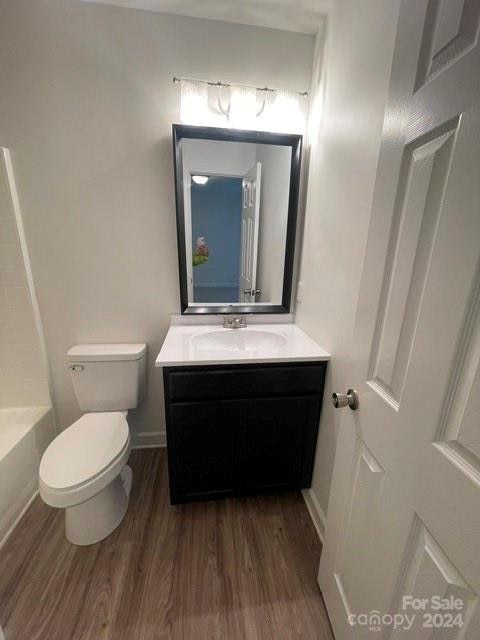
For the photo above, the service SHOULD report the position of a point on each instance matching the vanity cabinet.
(241, 429)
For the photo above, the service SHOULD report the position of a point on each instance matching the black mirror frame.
(236, 135)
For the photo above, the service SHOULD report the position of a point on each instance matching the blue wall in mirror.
(217, 217)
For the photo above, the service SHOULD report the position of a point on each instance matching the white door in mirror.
(251, 186)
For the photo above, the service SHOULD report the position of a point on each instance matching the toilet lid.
(83, 450)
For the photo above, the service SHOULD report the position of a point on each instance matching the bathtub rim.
(41, 413)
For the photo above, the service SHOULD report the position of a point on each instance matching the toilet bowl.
(84, 470)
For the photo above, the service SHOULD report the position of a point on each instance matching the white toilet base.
(96, 518)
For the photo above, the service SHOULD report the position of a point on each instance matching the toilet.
(84, 470)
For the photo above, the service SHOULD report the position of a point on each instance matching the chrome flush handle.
(76, 368)
(349, 399)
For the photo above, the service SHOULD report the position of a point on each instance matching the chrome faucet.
(234, 322)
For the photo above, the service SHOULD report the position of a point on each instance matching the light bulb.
(194, 102)
(200, 179)
(243, 107)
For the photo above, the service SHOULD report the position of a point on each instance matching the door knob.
(349, 399)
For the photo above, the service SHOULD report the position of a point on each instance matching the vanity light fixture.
(200, 179)
(244, 106)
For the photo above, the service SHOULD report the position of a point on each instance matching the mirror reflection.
(236, 204)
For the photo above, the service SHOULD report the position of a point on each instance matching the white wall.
(23, 367)
(275, 189)
(218, 157)
(87, 106)
(350, 99)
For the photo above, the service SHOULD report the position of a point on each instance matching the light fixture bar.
(220, 85)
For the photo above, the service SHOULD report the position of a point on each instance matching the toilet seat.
(84, 458)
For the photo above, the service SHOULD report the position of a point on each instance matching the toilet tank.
(108, 377)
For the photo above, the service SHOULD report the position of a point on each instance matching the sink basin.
(239, 340)
(207, 344)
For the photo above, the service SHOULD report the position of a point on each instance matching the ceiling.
(304, 16)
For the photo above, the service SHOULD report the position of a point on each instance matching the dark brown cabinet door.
(280, 443)
(203, 448)
(237, 430)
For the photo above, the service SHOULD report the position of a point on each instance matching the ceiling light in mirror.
(200, 179)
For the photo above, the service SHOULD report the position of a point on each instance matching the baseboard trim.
(315, 511)
(10, 530)
(149, 439)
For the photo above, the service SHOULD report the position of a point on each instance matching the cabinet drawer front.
(244, 382)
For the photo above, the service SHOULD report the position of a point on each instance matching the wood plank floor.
(226, 570)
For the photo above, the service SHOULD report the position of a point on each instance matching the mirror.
(237, 198)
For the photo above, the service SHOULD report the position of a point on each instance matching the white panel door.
(404, 511)
(251, 188)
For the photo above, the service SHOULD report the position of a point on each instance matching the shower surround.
(26, 417)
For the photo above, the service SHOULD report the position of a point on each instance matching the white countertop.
(212, 344)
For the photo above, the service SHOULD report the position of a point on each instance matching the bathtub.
(24, 436)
